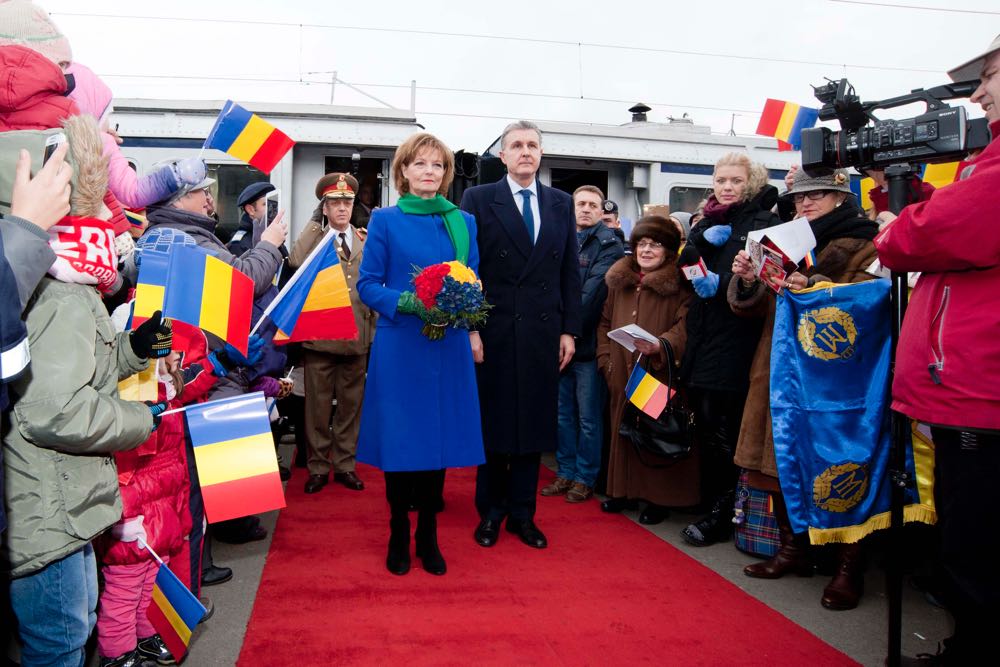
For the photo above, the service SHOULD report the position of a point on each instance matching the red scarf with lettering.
(85, 252)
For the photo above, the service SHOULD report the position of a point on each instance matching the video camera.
(942, 134)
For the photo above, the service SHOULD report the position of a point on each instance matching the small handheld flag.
(174, 610)
(785, 121)
(248, 137)
(316, 303)
(234, 454)
(646, 392)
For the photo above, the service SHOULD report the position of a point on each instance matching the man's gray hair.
(519, 125)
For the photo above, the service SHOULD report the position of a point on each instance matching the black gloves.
(152, 339)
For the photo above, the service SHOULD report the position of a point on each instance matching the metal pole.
(899, 178)
(333, 86)
(413, 96)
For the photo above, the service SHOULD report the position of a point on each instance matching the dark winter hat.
(657, 228)
(253, 192)
(610, 207)
(337, 186)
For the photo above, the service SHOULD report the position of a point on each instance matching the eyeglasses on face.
(813, 195)
(652, 245)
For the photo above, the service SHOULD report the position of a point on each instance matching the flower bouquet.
(448, 295)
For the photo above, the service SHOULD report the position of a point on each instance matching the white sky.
(604, 51)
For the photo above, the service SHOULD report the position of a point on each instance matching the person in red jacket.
(948, 367)
(153, 480)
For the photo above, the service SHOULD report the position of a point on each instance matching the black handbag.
(668, 437)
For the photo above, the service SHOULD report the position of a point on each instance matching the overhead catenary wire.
(889, 5)
(505, 38)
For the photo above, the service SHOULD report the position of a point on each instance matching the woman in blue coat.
(421, 409)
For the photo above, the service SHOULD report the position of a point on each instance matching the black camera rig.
(942, 134)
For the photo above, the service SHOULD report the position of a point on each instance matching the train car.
(359, 140)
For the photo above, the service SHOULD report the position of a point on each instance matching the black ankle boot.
(715, 527)
(397, 560)
(427, 544)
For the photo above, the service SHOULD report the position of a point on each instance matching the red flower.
(428, 284)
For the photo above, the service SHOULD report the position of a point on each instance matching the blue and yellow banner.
(830, 358)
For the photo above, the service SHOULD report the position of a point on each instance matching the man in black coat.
(529, 268)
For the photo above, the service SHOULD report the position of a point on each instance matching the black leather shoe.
(528, 532)
(315, 483)
(653, 514)
(209, 606)
(487, 532)
(616, 505)
(284, 473)
(349, 479)
(213, 575)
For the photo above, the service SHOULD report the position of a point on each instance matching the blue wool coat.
(421, 405)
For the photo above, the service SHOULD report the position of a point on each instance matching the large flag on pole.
(830, 357)
(246, 136)
(234, 454)
(785, 121)
(316, 302)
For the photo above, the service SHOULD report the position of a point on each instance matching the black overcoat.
(535, 294)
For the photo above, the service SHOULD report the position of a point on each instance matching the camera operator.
(948, 367)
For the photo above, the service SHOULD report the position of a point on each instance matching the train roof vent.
(639, 112)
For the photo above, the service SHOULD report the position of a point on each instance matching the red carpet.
(605, 592)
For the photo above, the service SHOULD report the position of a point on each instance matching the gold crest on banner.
(840, 487)
(827, 333)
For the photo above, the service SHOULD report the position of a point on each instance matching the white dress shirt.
(515, 189)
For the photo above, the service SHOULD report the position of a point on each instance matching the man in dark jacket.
(252, 203)
(529, 268)
(581, 389)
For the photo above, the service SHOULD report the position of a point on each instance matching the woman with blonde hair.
(421, 408)
(720, 345)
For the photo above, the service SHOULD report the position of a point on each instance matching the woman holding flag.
(843, 251)
(421, 408)
(645, 288)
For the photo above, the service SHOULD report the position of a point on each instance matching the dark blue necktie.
(529, 217)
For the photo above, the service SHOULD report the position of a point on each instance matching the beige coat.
(843, 260)
(364, 317)
(658, 304)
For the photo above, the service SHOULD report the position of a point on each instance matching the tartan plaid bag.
(756, 528)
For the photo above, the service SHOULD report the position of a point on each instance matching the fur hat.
(657, 228)
(25, 23)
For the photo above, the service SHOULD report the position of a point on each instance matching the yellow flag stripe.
(148, 300)
(251, 138)
(215, 299)
(644, 391)
(176, 622)
(236, 459)
(787, 121)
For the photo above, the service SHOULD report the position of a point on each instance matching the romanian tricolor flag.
(150, 286)
(248, 137)
(174, 611)
(942, 174)
(234, 453)
(646, 392)
(316, 303)
(135, 219)
(785, 121)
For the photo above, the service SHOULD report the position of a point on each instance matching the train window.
(686, 198)
(230, 179)
(569, 180)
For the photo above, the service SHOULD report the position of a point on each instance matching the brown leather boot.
(793, 554)
(848, 585)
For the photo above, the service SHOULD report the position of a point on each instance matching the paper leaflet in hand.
(628, 334)
(777, 251)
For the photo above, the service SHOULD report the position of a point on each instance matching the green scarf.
(454, 222)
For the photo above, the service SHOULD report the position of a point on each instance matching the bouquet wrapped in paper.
(446, 295)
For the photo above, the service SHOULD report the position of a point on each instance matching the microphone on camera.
(691, 263)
